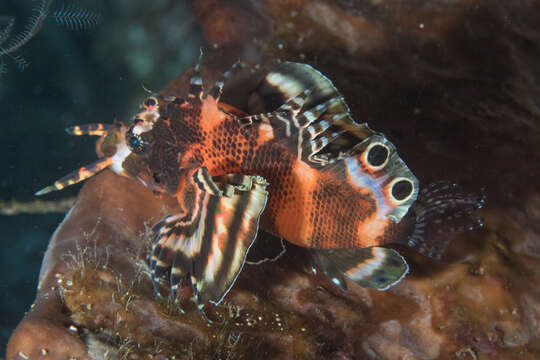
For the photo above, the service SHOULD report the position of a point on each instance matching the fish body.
(305, 171)
(315, 200)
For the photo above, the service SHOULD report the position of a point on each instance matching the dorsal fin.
(309, 113)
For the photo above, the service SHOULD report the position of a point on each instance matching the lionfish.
(305, 171)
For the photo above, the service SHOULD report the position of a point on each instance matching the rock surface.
(453, 84)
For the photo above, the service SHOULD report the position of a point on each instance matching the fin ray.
(217, 89)
(196, 83)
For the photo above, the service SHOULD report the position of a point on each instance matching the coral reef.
(454, 84)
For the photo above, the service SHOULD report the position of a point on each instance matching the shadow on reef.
(453, 84)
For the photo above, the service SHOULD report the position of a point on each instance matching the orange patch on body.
(291, 216)
(211, 115)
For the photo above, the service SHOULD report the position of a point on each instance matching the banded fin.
(373, 267)
(196, 87)
(195, 83)
(209, 241)
(76, 176)
(90, 129)
(442, 211)
(309, 113)
(217, 89)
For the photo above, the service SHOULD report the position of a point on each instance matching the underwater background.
(455, 85)
(95, 73)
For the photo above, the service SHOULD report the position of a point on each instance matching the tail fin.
(441, 211)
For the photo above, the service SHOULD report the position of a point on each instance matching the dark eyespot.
(150, 102)
(402, 189)
(377, 155)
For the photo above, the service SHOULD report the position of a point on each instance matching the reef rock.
(454, 85)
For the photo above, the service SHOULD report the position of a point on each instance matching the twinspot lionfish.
(305, 171)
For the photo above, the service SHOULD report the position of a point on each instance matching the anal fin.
(374, 267)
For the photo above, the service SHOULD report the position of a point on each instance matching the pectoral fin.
(76, 176)
(210, 240)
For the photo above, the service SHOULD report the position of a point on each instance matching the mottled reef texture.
(454, 84)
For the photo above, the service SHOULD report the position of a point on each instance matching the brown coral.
(454, 85)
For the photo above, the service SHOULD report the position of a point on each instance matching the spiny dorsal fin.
(309, 113)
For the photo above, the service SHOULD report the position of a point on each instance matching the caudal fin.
(441, 211)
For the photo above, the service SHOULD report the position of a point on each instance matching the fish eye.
(135, 142)
(377, 155)
(401, 189)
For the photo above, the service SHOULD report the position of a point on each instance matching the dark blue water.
(74, 77)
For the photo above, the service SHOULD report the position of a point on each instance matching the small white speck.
(421, 26)
(22, 355)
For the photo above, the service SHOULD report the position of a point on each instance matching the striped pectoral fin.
(373, 267)
(77, 176)
(210, 241)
